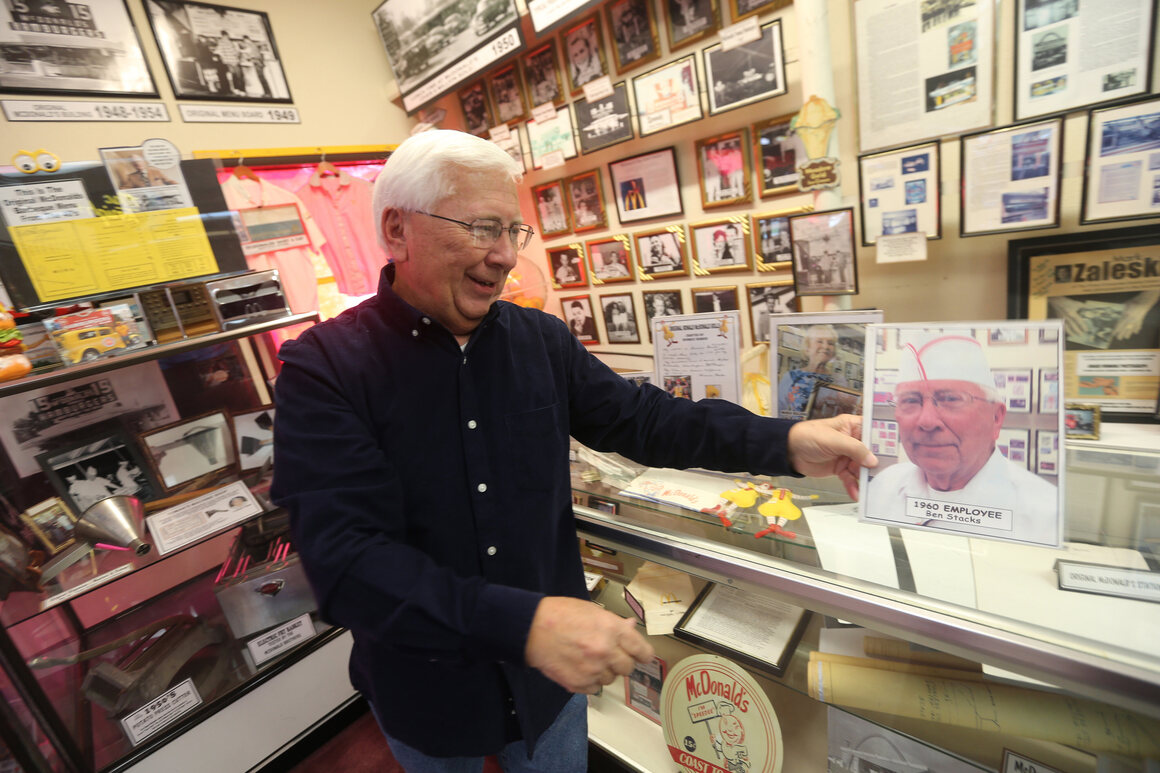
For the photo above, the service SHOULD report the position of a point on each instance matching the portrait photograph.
(633, 30)
(104, 55)
(551, 208)
(216, 52)
(945, 398)
(620, 318)
(192, 451)
(566, 266)
(507, 94)
(690, 21)
(577, 310)
(721, 245)
(767, 299)
(476, 113)
(772, 248)
(52, 523)
(1081, 421)
(514, 147)
(660, 303)
(747, 73)
(604, 122)
(254, 436)
(814, 350)
(776, 154)
(829, 400)
(646, 186)
(96, 463)
(586, 193)
(668, 96)
(823, 253)
(661, 253)
(710, 299)
(723, 169)
(583, 53)
(610, 260)
(543, 75)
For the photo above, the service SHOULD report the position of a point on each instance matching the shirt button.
(482, 487)
(414, 333)
(471, 424)
(426, 320)
(491, 551)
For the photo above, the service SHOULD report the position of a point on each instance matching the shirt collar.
(400, 313)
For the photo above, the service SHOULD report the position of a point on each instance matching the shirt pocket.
(538, 446)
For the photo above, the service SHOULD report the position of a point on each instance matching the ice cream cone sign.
(814, 124)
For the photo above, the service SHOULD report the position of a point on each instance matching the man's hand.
(580, 646)
(831, 447)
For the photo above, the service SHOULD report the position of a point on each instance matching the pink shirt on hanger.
(342, 208)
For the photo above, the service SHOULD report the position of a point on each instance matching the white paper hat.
(951, 357)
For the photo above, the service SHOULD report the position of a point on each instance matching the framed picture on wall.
(1022, 192)
(216, 52)
(1122, 176)
(747, 73)
(723, 169)
(551, 208)
(823, 253)
(97, 52)
(633, 29)
(690, 21)
(604, 122)
(566, 266)
(772, 249)
(98, 462)
(584, 53)
(52, 523)
(667, 96)
(514, 147)
(661, 303)
(620, 318)
(661, 253)
(586, 193)
(507, 94)
(476, 112)
(709, 299)
(1047, 451)
(900, 192)
(767, 299)
(743, 9)
(646, 186)
(577, 310)
(721, 245)
(776, 153)
(551, 142)
(192, 453)
(543, 75)
(610, 260)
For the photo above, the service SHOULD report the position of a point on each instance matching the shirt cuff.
(502, 621)
(771, 444)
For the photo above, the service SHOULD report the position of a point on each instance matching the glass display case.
(976, 648)
(112, 649)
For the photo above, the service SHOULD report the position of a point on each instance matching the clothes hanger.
(244, 172)
(327, 169)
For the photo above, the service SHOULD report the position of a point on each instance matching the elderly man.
(422, 444)
(949, 415)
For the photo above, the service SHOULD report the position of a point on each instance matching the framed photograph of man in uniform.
(723, 169)
(951, 473)
(543, 75)
(661, 303)
(620, 318)
(772, 248)
(766, 300)
(551, 208)
(577, 311)
(633, 28)
(566, 266)
(507, 94)
(584, 53)
(587, 196)
(721, 245)
(690, 21)
(610, 260)
(823, 253)
(661, 254)
(776, 152)
(747, 73)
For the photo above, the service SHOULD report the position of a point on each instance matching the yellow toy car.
(87, 343)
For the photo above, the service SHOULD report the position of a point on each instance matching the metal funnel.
(115, 521)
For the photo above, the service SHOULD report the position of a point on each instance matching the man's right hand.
(580, 646)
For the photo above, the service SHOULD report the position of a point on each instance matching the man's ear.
(394, 229)
(1000, 415)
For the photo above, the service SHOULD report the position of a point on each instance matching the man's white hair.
(815, 332)
(421, 171)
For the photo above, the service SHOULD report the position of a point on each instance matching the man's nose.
(503, 252)
(928, 415)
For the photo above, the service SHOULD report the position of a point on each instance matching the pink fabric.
(343, 213)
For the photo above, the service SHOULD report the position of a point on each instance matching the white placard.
(598, 89)
(1109, 580)
(545, 13)
(744, 31)
(499, 133)
(236, 114)
(44, 202)
(159, 712)
(208, 514)
(274, 642)
(545, 113)
(85, 586)
(901, 248)
(479, 60)
(59, 110)
(698, 356)
(553, 159)
(1017, 763)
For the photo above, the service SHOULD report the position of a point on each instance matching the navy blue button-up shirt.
(429, 494)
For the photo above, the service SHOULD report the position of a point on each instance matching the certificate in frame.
(1025, 196)
(668, 96)
(723, 169)
(1121, 178)
(824, 261)
(900, 192)
(646, 186)
(753, 629)
(747, 73)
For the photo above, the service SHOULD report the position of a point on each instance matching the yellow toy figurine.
(744, 496)
(778, 510)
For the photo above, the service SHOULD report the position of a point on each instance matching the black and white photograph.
(1049, 48)
(660, 303)
(823, 253)
(423, 39)
(566, 266)
(577, 311)
(747, 73)
(507, 94)
(859, 744)
(51, 523)
(1040, 13)
(900, 221)
(101, 462)
(721, 245)
(216, 52)
(551, 208)
(254, 435)
(723, 169)
(776, 154)
(767, 299)
(689, 21)
(97, 52)
(633, 30)
(587, 196)
(620, 318)
(584, 53)
(711, 299)
(771, 245)
(667, 96)
(743, 9)
(476, 114)
(543, 75)
(662, 253)
(610, 260)
(936, 13)
(191, 449)
(514, 147)
(605, 122)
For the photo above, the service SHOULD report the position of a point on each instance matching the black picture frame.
(1120, 140)
(1031, 276)
(714, 299)
(100, 461)
(646, 186)
(604, 122)
(620, 320)
(901, 192)
(197, 58)
(661, 303)
(760, 296)
(1018, 201)
(812, 276)
(747, 73)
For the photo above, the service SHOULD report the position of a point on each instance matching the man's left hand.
(831, 447)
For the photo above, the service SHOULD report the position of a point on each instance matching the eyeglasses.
(485, 233)
(944, 400)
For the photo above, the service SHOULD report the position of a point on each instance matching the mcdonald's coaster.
(717, 719)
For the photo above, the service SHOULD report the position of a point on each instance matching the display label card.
(208, 514)
(901, 248)
(56, 110)
(499, 133)
(234, 114)
(598, 89)
(269, 229)
(159, 712)
(43, 202)
(744, 31)
(274, 642)
(553, 159)
(85, 586)
(955, 512)
(148, 177)
(1017, 763)
(591, 580)
(544, 113)
(1139, 584)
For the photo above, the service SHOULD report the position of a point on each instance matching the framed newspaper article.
(1011, 178)
(1122, 176)
(900, 192)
